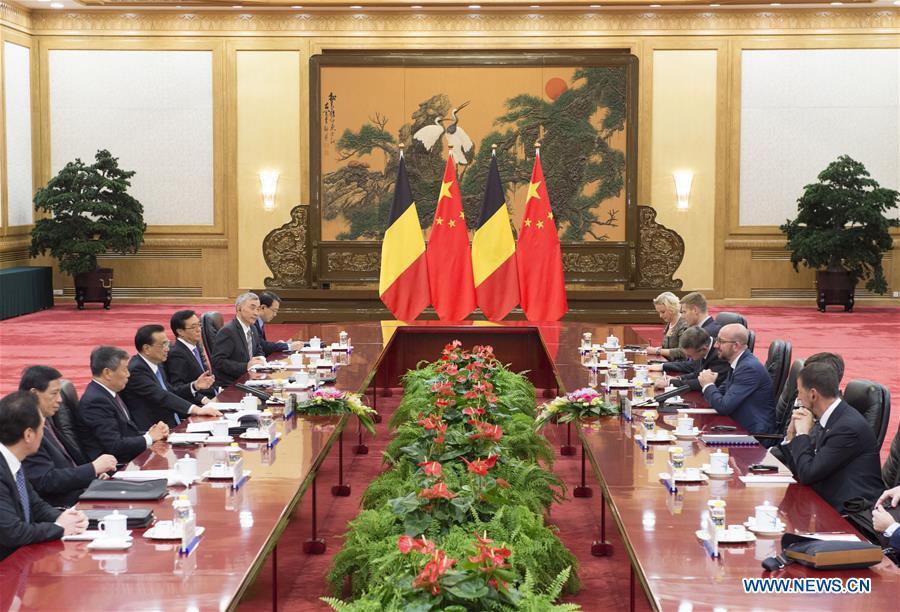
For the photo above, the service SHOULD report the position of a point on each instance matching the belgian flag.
(494, 252)
(403, 283)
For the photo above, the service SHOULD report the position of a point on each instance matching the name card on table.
(271, 433)
(626, 408)
(237, 473)
(188, 534)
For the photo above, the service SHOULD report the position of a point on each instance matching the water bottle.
(234, 454)
(592, 377)
(183, 511)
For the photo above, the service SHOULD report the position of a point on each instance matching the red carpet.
(869, 341)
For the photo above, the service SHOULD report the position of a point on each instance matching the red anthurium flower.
(481, 466)
(432, 422)
(432, 468)
(486, 431)
(471, 395)
(405, 544)
(432, 572)
(502, 483)
(441, 403)
(439, 490)
(452, 369)
(442, 430)
(473, 411)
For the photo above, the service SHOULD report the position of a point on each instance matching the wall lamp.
(683, 180)
(269, 181)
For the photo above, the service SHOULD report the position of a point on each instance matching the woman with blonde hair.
(668, 307)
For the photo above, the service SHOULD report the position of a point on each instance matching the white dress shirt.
(11, 460)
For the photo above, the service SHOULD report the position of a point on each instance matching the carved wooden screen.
(582, 106)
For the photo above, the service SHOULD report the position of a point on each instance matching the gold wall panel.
(642, 22)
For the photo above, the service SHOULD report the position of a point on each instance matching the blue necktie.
(162, 383)
(199, 357)
(23, 494)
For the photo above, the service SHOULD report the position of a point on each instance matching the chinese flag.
(448, 256)
(403, 281)
(494, 252)
(542, 289)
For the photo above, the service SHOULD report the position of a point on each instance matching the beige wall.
(268, 137)
(689, 118)
(684, 139)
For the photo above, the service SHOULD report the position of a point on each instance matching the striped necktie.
(249, 343)
(23, 494)
(199, 356)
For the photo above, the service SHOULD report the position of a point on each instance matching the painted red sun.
(555, 87)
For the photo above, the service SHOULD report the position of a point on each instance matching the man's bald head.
(736, 332)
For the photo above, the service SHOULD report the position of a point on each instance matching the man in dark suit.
(57, 474)
(884, 523)
(695, 311)
(700, 349)
(269, 303)
(747, 393)
(836, 456)
(237, 343)
(148, 394)
(104, 422)
(24, 517)
(187, 361)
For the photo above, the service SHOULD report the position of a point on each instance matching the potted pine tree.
(89, 213)
(841, 226)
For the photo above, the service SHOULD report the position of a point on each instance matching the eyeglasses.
(165, 344)
(720, 341)
(194, 326)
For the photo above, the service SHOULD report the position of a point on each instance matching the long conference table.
(243, 526)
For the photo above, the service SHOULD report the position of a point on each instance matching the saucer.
(621, 384)
(111, 543)
(222, 476)
(90, 535)
(254, 435)
(152, 535)
(659, 439)
(685, 477)
(750, 524)
(220, 440)
(726, 474)
(309, 349)
(728, 536)
(687, 436)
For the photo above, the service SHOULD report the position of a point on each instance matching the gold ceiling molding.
(15, 16)
(645, 23)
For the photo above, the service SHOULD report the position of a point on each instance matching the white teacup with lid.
(114, 526)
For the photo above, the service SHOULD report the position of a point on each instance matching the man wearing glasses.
(747, 394)
(148, 394)
(187, 361)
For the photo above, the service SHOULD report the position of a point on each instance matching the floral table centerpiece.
(328, 402)
(577, 405)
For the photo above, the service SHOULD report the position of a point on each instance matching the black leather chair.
(890, 473)
(751, 339)
(210, 324)
(64, 419)
(873, 401)
(727, 318)
(785, 403)
(778, 363)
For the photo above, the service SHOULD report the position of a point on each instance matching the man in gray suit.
(237, 343)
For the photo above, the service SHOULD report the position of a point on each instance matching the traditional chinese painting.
(583, 113)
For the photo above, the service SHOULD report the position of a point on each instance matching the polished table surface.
(658, 528)
(243, 526)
